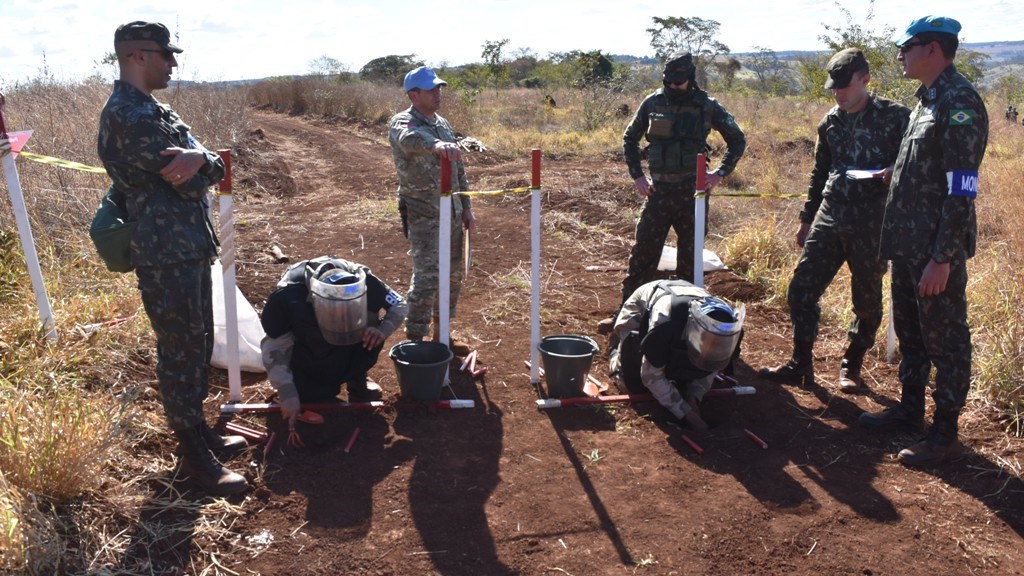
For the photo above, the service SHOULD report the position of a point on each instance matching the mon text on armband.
(963, 183)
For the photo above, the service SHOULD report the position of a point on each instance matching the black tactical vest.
(677, 132)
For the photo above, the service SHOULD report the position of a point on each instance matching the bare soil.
(505, 488)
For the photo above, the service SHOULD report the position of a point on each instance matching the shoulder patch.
(963, 183)
(961, 117)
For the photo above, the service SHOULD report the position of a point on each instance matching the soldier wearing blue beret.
(928, 232)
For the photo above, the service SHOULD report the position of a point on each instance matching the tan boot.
(203, 469)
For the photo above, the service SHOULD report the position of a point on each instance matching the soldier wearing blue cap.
(164, 175)
(842, 218)
(420, 139)
(929, 231)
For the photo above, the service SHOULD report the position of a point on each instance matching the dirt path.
(507, 489)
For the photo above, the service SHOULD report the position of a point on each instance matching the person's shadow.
(338, 486)
(808, 440)
(455, 458)
(162, 540)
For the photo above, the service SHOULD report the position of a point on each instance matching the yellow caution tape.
(495, 192)
(743, 195)
(61, 163)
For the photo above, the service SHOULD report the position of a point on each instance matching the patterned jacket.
(173, 221)
(867, 140)
(711, 115)
(930, 208)
(412, 138)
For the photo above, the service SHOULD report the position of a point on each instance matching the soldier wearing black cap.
(929, 231)
(163, 175)
(676, 121)
(842, 218)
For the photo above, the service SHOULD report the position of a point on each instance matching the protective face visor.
(339, 303)
(712, 333)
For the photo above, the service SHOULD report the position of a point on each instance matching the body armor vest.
(677, 132)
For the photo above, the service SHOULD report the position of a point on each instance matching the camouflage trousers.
(423, 288)
(933, 331)
(670, 205)
(829, 244)
(179, 303)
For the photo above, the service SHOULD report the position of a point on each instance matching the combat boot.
(908, 413)
(222, 446)
(940, 443)
(849, 369)
(458, 347)
(799, 368)
(202, 468)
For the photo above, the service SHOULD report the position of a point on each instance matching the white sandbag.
(250, 331)
(668, 260)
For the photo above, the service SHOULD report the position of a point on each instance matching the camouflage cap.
(938, 24)
(140, 30)
(843, 65)
(679, 67)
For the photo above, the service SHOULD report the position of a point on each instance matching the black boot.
(909, 412)
(940, 443)
(849, 369)
(202, 469)
(222, 446)
(799, 368)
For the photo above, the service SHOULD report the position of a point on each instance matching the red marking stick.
(753, 437)
(352, 440)
(535, 157)
(225, 183)
(697, 449)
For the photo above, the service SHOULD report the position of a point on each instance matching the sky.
(243, 39)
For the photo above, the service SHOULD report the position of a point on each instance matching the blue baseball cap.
(939, 24)
(423, 78)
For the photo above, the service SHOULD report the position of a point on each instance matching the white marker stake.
(444, 257)
(535, 270)
(698, 222)
(28, 245)
(227, 259)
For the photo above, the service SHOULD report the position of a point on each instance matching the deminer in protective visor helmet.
(712, 333)
(337, 290)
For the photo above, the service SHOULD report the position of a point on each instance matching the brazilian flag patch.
(961, 117)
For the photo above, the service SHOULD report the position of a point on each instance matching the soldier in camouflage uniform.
(420, 140)
(929, 231)
(842, 218)
(164, 174)
(676, 121)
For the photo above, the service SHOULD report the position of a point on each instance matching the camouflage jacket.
(412, 138)
(930, 208)
(867, 140)
(173, 223)
(714, 117)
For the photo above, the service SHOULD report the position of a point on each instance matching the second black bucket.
(421, 368)
(566, 359)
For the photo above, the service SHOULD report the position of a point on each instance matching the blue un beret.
(939, 24)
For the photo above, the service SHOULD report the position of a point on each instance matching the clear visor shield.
(709, 342)
(340, 308)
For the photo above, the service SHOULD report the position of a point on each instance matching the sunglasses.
(909, 46)
(167, 54)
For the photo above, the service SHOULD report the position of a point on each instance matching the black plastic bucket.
(421, 368)
(566, 359)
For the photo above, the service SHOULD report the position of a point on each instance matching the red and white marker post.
(227, 261)
(699, 209)
(28, 245)
(535, 269)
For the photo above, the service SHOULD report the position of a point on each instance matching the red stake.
(270, 444)
(697, 449)
(535, 173)
(352, 440)
(755, 439)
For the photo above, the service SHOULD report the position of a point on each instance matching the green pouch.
(111, 232)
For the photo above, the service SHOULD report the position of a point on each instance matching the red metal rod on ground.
(466, 361)
(352, 440)
(270, 444)
(591, 400)
(755, 439)
(247, 433)
(696, 448)
(472, 362)
(364, 406)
